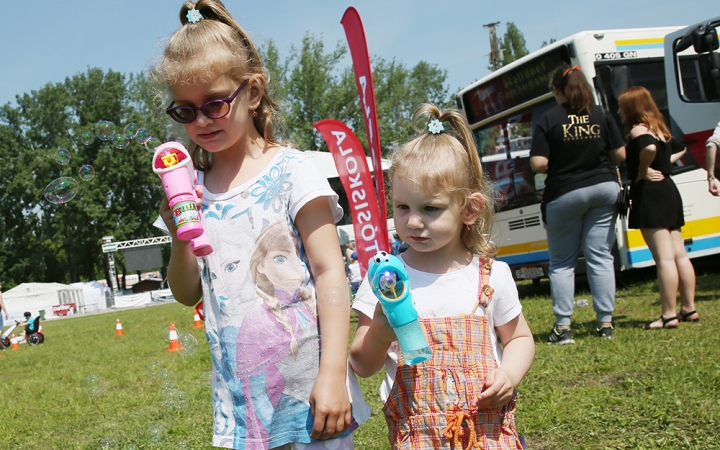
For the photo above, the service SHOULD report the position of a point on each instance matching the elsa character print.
(275, 336)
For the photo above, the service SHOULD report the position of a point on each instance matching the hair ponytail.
(571, 82)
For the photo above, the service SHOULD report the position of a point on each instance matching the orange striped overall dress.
(432, 405)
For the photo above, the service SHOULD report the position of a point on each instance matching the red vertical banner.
(366, 90)
(352, 168)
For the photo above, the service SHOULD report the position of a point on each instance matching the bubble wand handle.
(173, 164)
(391, 285)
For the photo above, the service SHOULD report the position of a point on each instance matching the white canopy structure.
(36, 297)
(327, 163)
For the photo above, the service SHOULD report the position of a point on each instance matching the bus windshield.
(504, 147)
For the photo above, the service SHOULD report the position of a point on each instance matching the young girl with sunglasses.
(271, 386)
(463, 396)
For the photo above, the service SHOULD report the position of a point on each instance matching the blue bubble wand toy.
(391, 285)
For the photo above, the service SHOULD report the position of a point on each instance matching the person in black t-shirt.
(573, 143)
(657, 208)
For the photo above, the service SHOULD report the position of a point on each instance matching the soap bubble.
(335, 296)
(87, 138)
(107, 443)
(87, 172)
(183, 445)
(143, 134)
(120, 141)
(153, 368)
(156, 434)
(130, 130)
(166, 379)
(207, 378)
(166, 334)
(189, 344)
(93, 385)
(61, 190)
(104, 129)
(175, 398)
(62, 156)
(130, 447)
(151, 143)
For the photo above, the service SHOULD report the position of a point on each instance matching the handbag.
(624, 204)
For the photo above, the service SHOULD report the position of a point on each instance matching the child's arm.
(371, 343)
(183, 271)
(329, 399)
(518, 354)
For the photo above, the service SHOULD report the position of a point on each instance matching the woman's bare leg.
(686, 273)
(661, 247)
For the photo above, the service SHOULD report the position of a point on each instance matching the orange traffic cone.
(198, 323)
(174, 341)
(118, 328)
(14, 345)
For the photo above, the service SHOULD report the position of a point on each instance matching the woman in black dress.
(657, 208)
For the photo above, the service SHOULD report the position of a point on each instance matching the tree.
(311, 87)
(61, 242)
(513, 44)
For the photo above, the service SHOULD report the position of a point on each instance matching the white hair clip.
(194, 16)
(435, 127)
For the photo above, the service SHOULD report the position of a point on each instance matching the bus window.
(697, 63)
(697, 86)
(504, 147)
(649, 73)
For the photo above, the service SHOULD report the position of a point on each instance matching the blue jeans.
(583, 218)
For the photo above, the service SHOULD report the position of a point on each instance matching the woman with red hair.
(657, 208)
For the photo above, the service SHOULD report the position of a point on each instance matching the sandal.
(665, 323)
(687, 317)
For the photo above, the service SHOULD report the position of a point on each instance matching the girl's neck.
(443, 260)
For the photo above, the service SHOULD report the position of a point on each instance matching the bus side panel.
(522, 242)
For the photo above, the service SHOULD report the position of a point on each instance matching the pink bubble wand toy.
(173, 164)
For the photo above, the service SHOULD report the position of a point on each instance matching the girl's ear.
(257, 90)
(474, 205)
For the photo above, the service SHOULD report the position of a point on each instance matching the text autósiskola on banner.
(352, 168)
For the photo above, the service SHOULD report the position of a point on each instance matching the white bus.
(684, 80)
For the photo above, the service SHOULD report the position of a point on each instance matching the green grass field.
(644, 389)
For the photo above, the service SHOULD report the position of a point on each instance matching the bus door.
(692, 73)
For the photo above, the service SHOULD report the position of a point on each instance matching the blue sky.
(45, 42)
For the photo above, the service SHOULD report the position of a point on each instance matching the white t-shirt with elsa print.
(260, 306)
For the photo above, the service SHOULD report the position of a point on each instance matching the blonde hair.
(449, 162)
(216, 45)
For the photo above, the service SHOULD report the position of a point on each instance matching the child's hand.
(380, 320)
(166, 213)
(497, 390)
(330, 406)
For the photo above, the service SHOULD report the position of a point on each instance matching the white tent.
(95, 294)
(327, 163)
(34, 297)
